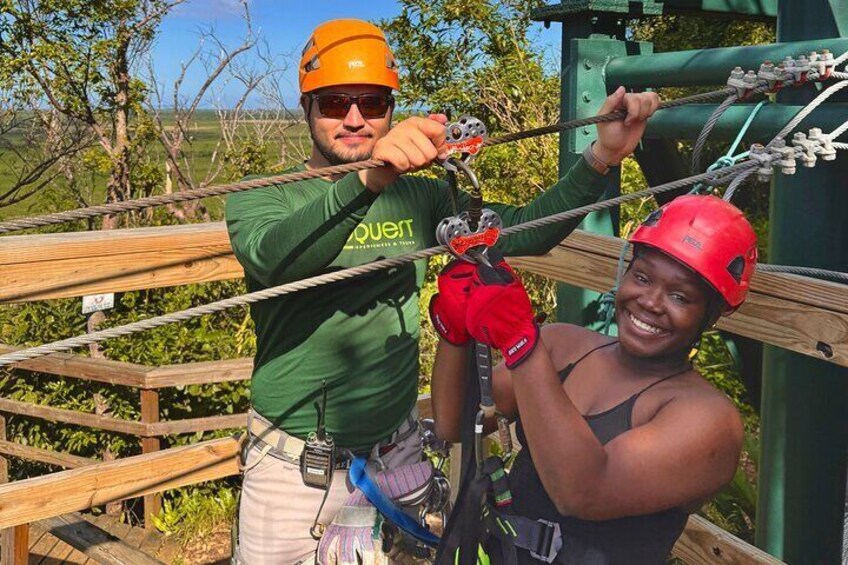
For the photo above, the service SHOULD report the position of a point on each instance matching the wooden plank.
(425, 407)
(44, 455)
(37, 267)
(200, 373)
(58, 551)
(22, 249)
(136, 536)
(112, 525)
(823, 294)
(704, 543)
(78, 489)
(192, 425)
(101, 546)
(154, 257)
(61, 554)
(86, 368)
(783, 322)
(73, 417)
(41, 543)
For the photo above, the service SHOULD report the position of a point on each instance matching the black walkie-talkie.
(319, 454)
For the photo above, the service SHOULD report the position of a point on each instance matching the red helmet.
(710, 236)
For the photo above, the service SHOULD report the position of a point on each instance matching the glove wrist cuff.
(454, 336)
(522, 346)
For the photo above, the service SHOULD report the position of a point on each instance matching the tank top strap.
(565, 371)
(662, 380)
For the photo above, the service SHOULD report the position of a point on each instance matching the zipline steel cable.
(810, 272)
(790, 125)
(188, 195)
(288, 288)
(734, 97)
(745, 168)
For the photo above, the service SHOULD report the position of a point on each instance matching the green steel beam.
(804, 410)
(748, 9)
(686, 122)
(567, 9)
(709, 66)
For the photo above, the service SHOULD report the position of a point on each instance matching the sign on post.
(97, 302)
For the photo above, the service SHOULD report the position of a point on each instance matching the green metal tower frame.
(805, 401)
(804, 406)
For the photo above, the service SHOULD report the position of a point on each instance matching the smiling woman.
(641, 438)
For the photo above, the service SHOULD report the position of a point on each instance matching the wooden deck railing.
(147, 380)
(802, 315)
(809, 317)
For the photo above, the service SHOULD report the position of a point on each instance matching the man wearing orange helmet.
(641, 439)
(347, 354)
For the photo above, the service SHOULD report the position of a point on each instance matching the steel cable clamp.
(743, 82)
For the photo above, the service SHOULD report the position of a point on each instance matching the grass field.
(204, 152)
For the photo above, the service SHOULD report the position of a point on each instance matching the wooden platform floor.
(46, 549)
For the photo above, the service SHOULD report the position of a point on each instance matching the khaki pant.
(277, 510)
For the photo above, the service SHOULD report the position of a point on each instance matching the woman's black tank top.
(636, 540)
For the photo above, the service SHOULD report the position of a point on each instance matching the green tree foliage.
(80, 57)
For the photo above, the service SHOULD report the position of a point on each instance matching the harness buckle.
(550, 539)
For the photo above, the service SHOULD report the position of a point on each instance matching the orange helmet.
(347, 52)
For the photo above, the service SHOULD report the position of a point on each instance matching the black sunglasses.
(337, 106)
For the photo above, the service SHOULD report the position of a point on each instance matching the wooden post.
(150, 415)
(5, 535)
(101, 408)
(19, 549)
(14, 542)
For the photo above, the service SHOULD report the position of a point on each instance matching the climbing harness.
(386, 494)
(360, 477)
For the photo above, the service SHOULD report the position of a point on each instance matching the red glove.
(447, 308)
(500, 314)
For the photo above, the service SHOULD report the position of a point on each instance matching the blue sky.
(284, 24)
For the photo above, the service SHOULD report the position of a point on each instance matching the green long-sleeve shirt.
(359, 335)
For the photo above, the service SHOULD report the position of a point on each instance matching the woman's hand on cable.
(448, 307)
(499, 313)
(618, 139)
(413, 144)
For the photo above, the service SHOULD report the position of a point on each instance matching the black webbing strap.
(464, 528)
(541, 538)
